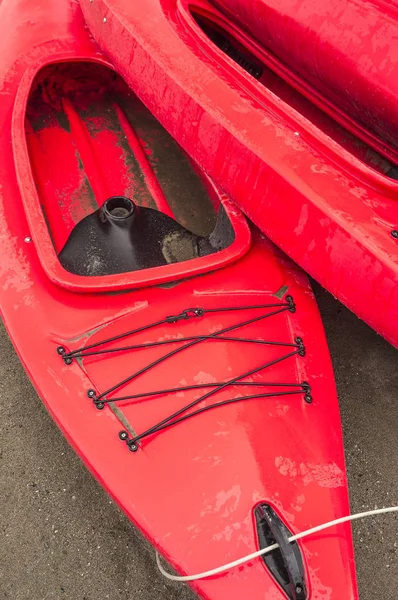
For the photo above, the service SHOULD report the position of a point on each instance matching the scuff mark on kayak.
(194, 530)
(57, 380)
(282, 409)
(217, 460)
(286, 466)
(203, 377)
(87, 334)
(297, 504)
(302, 220)
(15, 269)
(227, 532)
(215, 328)
(328, 476)
(122, 418)
(325, 475)
(226, 500)
(181, 383)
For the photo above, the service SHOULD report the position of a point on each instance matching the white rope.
(293, 538)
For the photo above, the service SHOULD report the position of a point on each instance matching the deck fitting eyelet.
(394, 233)
(123, 435)
(99, 405)
(290, 301)
(301, 347)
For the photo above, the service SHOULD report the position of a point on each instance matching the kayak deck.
(230, 331)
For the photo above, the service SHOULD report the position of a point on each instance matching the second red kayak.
(320, 192)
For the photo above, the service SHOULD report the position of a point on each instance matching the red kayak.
(341, 54)
(301, 172)
(179, 351)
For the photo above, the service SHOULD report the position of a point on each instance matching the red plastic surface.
(344, 49)
(326, 205)
(192, 488)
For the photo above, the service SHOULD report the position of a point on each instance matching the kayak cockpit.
(90, 143)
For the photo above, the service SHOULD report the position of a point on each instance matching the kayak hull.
(192, 487)
(284, 170)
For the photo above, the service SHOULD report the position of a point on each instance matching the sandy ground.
(61, 536)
